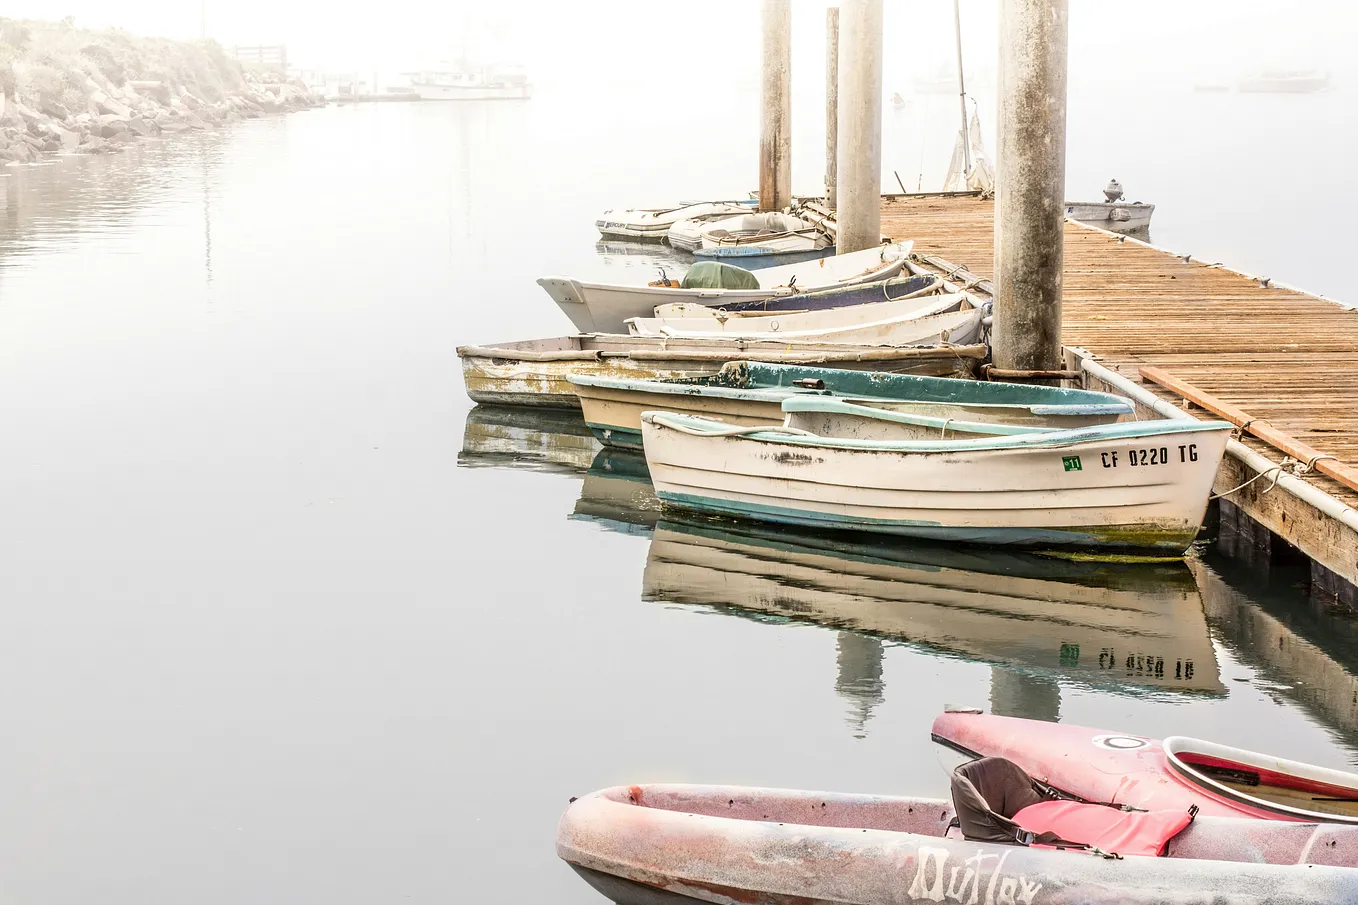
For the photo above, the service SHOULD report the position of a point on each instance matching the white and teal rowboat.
(751, 393)
(605, 307)
(1131, 485)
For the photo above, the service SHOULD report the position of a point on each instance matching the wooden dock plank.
(1277, 353)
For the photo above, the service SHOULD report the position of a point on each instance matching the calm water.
(286, 622)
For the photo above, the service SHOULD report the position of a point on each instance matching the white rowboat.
(1140, 485)
(655, 223)
(605, 307)
(944, 318)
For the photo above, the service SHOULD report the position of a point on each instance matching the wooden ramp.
(1279, 354)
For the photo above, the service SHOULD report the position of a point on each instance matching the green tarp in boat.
(716, 275)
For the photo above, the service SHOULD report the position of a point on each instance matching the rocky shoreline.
(73, 90)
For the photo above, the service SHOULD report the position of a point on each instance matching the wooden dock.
(1285, 357)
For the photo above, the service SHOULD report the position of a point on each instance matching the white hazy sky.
(635, 38)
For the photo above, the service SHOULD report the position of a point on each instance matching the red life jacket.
(1104, 828)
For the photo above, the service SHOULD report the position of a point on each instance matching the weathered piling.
(859, 171)
(775, 138)
(1030, 186)
(831, 103)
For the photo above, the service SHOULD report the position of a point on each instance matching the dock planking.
(1278, 353)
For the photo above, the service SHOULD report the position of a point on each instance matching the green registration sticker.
(1072, 463)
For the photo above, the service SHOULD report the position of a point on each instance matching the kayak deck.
(669, 844)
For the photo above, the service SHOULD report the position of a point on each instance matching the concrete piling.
(775, 138)
(1030, 185)
(831, 103)
(859, 171)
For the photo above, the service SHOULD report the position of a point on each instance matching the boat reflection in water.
(617, 493)
(1038, 620)
(539, 439)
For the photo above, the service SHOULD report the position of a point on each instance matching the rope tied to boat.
(943, 432)
(1294, 467)
(1276, 471)
(1311, 462)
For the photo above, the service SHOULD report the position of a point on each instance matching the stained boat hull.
(747, 394)
(536, 372)
(1054, 489)
(666, 845)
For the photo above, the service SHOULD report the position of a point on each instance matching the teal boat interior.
(775, 382)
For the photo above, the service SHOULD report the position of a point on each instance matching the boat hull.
(606, 307)
(756, 258)
(1100, 765)
(665, 845)
(1034, 490)
(612, 407)
(654, 225)
(959, 327)
(602, 308)
(536, 372)
(885, 291)
(1118, 217)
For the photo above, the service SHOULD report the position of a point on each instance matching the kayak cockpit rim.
(1293, 783)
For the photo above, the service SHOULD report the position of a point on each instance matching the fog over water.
(287, 620)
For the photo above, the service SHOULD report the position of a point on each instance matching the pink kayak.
(1104, 766)
(676, 844)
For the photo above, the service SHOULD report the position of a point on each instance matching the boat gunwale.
(1174, 745)
(1052, 439)
(673, 387)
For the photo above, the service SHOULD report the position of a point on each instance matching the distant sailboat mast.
(961, 85)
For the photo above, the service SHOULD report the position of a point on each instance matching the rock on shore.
(64, 88)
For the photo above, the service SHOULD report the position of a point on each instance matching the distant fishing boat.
(462, 84)
(752, 393)
(605, 307)
(1113, 214)
(535, 372)
(1131, 485)
(654, 223)
(1285, 81)
(935, 318)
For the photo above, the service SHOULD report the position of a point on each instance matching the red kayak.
(1116, 768)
